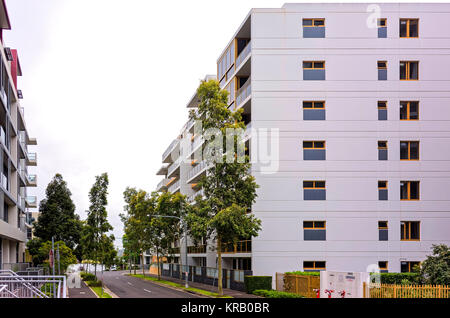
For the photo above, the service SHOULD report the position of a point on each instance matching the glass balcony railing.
(31, 178)
(174, 165)
(201, 249)
(239, 247)
(4, 181)
(32, 156)
(243, 55)
(31, 200)
(2, 136)
(243, 92)
(170, 148)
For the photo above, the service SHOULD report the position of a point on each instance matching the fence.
(298, 284)
(13, 285)
(406, 291)
(232, 279)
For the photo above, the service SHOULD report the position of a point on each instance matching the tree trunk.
(143, 264)
(219, 266)
(134, 265)
(180, 261)
(157, 261)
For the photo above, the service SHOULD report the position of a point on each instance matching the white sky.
(106, 82)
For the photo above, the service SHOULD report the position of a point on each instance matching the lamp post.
(185, 243)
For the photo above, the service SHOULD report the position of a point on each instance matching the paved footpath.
(83, 292)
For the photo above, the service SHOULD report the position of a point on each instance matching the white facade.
(351, 131)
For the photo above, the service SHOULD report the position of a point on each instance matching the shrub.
(94, 283)
(399, 278)
(88, 276)
(303, 273)
(253, 283)
(275, 294)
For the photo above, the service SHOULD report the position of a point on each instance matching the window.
(382, 105)
(383, 265)
(382, 150)
(314, 145)
(382, 110)
(409, 190)
(314, 185)
(409, 150)
(382, 185)
(409, 28)
(314, 265)
(313, 104)
(382, 65)
(381, 22)
(382, 145)
(314, 225)
(383, 234)
(314, 65)
(408, 267)
(410, 230)
(313, 22)
(382, 225)
(409, 70)
(409, 110)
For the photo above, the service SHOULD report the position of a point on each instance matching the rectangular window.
(410, 230)
(313, 22)
(382, 225)
(314, 225)
(409, 70)
(409, 150)
(409, 28)
(383, 234)
(314, 145)
(382, 22)
(409, 110)
(382, 70)
(383, 265)
(313, 184)
(382, 144)
(409, 190)
(314, 265)
(382, 185)
(408, 267)
(313, 104)
(313, 65)
(382, 104)
(382, 110)
(382, 65)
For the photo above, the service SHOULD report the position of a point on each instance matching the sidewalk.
(83, 292)
(226, 291)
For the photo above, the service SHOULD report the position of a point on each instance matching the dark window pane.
(307, 22)
(414, 190)
(403, 191)
(307, 104)
(414, 28)
(402, 70)
(382, 265)
(403, 150)
(415, 230)
(319, 224)
(320, 184)
(319, 22)
(382, 224)
(319, 144)
(308, 224)
(403, 110)
(382, 184)
(414, 150)
(381, 64)
(414, 110)
(382, 144)
(319, 105)
(307, 64)
(308, 184)
(403, 29)
(413, 70)
(404, 267)
(307, 144)
(320, 264)
(318, 65)
(381, 104)
(308, 264)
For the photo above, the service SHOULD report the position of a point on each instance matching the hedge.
(275, 294)
(253, 283)
(397, 278)
(88, 276)
(303, 273)
(94, 283)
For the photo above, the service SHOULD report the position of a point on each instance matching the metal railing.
(197, 169)
(197, 142)
(192, 197)
(243, 92)
(244, 53)
(239, 247)
(31, 286)
(169, 149)
(163, 183)
(201, 249)
(174, 166)
(174, 186)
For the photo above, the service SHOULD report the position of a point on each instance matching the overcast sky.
(106, 83)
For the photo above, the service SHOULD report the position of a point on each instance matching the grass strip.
(169, 283)
(98, 291)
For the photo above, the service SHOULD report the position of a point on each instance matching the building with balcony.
(15, 159)
(360, 101)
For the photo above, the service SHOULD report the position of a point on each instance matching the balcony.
(192, 197)
(174, 187)
(239, 247)
(31, 159)
(3, 136)
(174, 250)
(201, 249)
(197, 142)
(162, 185)
(243, 55)
(243, 93)
(196, 171)
(166, 158)
(248, 131)
(4, 97)
(31, 180)
(31, 202)
(4, 182)
(174, 166)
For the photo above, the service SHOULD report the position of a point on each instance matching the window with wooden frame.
(410, 230)
(409, 190)
(314, 145)
(382, 225)
(409, 28)
(313, 65)
(314, 265)
(314, 185)
(409, 110)
(382, 22)
(382, 185)
(314, 225)
(382, 104)
(313, 104)
(382, 65)
(382, 144)
(383, 265)
(409, 150)
(408, 267)
(409, 70)
(314, 22)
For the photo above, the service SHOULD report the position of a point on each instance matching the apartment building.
(15, 158)
(359, 94)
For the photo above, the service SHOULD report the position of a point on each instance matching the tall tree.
(57, 216)
(229, 188)
(97, 219)
(435, 270)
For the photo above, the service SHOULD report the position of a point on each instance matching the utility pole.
(53, 264)
(58, 258)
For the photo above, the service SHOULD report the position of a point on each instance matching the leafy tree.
(57, 216)
(97, 224)
(33, 246)
(66, 256)
(229, 188)
(435, 270)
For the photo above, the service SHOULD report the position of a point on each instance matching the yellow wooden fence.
(408, 291)
(304, 285)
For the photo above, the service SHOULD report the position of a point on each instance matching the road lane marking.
(129, 283)
(148, 291)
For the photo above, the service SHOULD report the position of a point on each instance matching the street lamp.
(185, 243)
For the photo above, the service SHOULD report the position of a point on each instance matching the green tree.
(57, 216)
(229, 188)
(435, 270)
(97, 224)
(66, 256)
(33, 246)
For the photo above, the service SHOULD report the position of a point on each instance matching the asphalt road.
(131, 287)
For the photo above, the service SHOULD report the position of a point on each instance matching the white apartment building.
(361, 100)
(15, 204)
